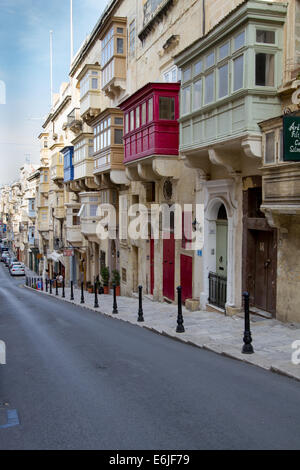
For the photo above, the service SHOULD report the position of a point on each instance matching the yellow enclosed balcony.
(90, 97)
(108, 144)
(113, 57)
(57, 167)
(73, 228)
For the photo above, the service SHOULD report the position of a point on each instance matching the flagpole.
(51, 68)
(71, 30)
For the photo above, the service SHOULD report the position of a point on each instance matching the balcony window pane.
(224, 51)
(137, 117)
(266, 37)
(198, 67)
(281, 145)
(120, 30)
(131, 120)
(239, 41)
(210, 60)
(186, 100)
(187, 74)
(270, 148)
(209, 88)
(93, 210)
(166, 108)
(223, 81)
(95, 83)
(264, 69)
(126, 123)
(120, 47)
(150, 110)
(238, 72)
(118, 136)
(197, 98)
(143, 113)
(119, 121)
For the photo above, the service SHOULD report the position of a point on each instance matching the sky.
(24, 70)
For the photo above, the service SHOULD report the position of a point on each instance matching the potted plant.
(116, 280)
(90, 288)
(105, 279)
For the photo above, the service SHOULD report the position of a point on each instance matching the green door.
(221, 248)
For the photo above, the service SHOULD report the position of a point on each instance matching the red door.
(169, 268)
(151, 266)
(186, 276)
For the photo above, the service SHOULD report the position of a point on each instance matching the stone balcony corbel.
(231, 162)
(252, 146)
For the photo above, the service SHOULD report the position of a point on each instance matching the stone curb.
(212, 347)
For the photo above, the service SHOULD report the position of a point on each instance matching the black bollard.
(96, 303)
(141, 312)
(50, 282)
(101, 290)
(56, 287)
(82, 294)
(47, 286)
(180, 327)
(72, 290)
(63, 289)
(26, 281)
(247, 348)
(115, 305)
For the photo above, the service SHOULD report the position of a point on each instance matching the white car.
(17, 269)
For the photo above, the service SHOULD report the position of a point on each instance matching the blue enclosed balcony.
(68, 153)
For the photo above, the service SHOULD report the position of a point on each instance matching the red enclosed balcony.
(151, 132)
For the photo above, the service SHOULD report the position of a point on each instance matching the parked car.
(17, 269)
(7, 261)
(4, 256)
(13, 260)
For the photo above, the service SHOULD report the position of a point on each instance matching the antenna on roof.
(51, 67)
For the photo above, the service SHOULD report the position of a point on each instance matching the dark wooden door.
(169, 268)
(265, 271)
(151, 266)
(186, 277)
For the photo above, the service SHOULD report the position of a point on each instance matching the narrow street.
(79, 380)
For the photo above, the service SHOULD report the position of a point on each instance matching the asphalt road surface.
(79, 380)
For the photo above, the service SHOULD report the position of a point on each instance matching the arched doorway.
(216, 253)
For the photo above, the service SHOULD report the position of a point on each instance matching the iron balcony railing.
(217, 290)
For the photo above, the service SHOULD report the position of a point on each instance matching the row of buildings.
(173, 102)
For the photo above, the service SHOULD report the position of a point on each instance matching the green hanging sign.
(291, 138)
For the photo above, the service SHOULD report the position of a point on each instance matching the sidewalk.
(272, 339)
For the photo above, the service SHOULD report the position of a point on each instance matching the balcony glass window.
(89, 82)
(102, 138)
(171, 75)
(120, 46)
(132, 37)
(198, 67)
(264, 69)
(108, 73)
(223, 81)
(119, 121)
(150, 110)
(265, 37)
(107, 47)
(119, 136)
(197, 97)
(239, 41)
(132, 120)
(186, 100)
(137, 117)
(209, 88)
(166, 108)
(210, 60)
(224, 51)
(144, 113)
(281, 145)
(187, 74)
(270, 147)
(93, 210)
(238, 73)
(126, 123)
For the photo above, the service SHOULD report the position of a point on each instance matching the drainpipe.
(203, 17)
